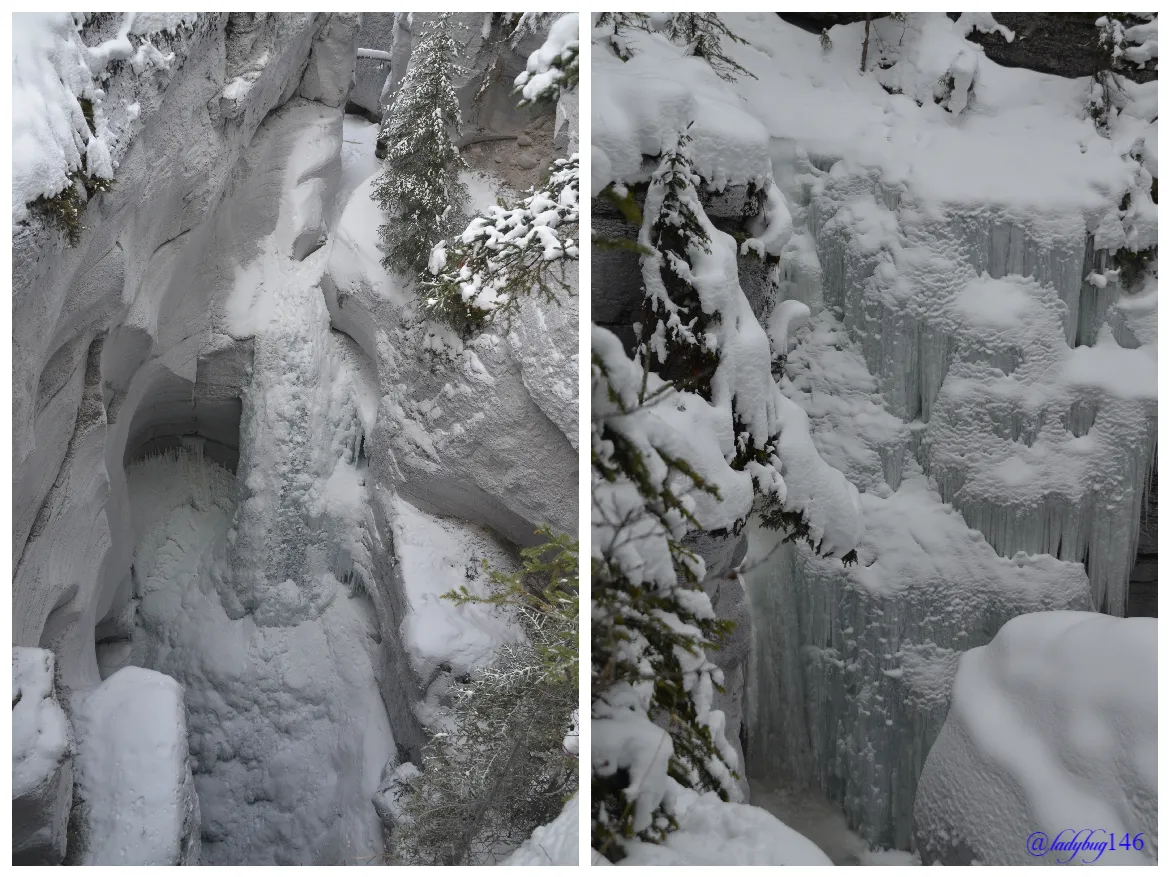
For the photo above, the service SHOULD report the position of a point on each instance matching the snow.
(713, 832)
(49, 73)
(438, 555)
(1028, 145)
(554, 843)
(278, 715)
(1053, 726)
(996, 409)
(40, 730)
(641, 105)
(133, 780)
(540, 75)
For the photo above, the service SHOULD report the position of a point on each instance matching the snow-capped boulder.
(42, 761)
(135, 802)
(1053, 728)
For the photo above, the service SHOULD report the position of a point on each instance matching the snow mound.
(552, 844)
(1053, 728)
(42, 773)
(134, 789)
(438, 555)
(714, 832)
(40, 731)
(640, 105)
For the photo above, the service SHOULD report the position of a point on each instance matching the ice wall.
(1003, 471)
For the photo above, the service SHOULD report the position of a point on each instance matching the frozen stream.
(249, 586)
(285, 722)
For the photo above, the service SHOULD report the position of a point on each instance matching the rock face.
(1063, 43)
(123, 348)
(190, 327)
(42, 761)
(1053, 728)
(491, 61)
(371, 73)
(486, 432)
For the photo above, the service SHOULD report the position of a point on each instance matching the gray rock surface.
(370, 74)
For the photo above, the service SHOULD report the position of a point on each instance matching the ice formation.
(964, 355)
(961, 372)
(1053, 726)
(212, 543)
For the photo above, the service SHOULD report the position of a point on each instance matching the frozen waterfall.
(1003, 471)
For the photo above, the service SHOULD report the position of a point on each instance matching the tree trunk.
(865, 45)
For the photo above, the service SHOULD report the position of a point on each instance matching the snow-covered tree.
(1105, 86)
(703, 33)
(660, 471)
(678, 344)
(619, 23)
(420, 189)
(506, 253)
(502, 764)
(509, 251)
(555, 66)
(652, 623)
(680, 330)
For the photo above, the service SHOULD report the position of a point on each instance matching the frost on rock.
(1053, 726)
(135, 802)
(42, 763)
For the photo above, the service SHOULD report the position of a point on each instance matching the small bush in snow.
(420, 189)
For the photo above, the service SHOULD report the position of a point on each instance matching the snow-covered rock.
(714, 833)
(482, 432)
(330, 72)
(42, 761)
(552, 844)
(1052, 737)
(135, 801)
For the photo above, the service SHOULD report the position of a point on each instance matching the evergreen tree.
(621, 22)
(703, 33)
(420, 188)
(677, 343)
(505, 253)
(652, 623)
(500, 767)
